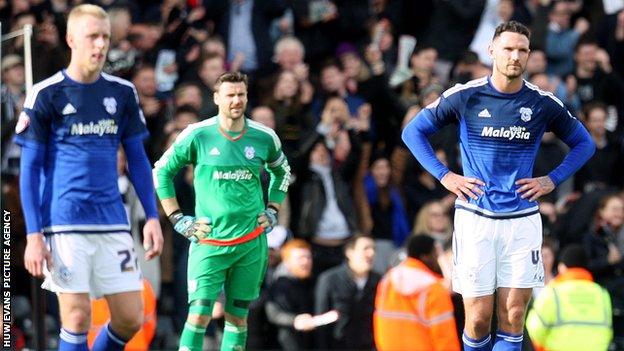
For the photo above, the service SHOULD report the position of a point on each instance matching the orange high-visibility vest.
(142, 339)
(414, 311)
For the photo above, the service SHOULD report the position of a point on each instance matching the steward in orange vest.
(413, 309)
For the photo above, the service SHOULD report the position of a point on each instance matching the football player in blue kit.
(78, 233)
(498, 229)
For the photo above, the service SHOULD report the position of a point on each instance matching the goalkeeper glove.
(267, 219)
(192, 228)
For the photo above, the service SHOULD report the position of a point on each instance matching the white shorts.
(493, 253)
(99, 264)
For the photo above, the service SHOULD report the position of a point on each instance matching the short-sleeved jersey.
(81, 127)
(227, 167)
(499, 136)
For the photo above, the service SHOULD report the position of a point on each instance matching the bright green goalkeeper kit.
(228, 191)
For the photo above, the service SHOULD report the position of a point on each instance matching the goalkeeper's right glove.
(192, 228)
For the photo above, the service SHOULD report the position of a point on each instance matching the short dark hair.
(573, 256)
(187, 109)
(514, 27)
(231, 77)
(352, 240)
(419, 245)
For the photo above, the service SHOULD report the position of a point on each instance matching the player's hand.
(267, 219)
(152, 238)
(461, 186)
(192, 228)
(533, 188)
(36, 253)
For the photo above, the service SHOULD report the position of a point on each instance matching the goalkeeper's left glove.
(267, 219)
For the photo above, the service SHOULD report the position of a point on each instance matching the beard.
(510, 73)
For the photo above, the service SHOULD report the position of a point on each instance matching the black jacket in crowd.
(336, 290)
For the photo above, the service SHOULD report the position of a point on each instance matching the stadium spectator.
(290, 304)
(549, 257)
(188, 93)
(244, 27)
(334, 83)
(561, 38)
(350, 290)
(154, 109)
(12, 95)
(572, 312)
(495, 13)
(327, 216)
(211, 67)
(413, 309)
(596, 81)
(604, 246)
(604, 169)
(451, 29)
(291, 107)
(381, 211)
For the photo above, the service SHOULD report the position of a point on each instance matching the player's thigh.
(72, 260)
(126, 308)
(520, 262)
(207, 268)
(75, 311)
(246, 276)
(512, 298)
(474, 254)
(116, 267)
(479, 309)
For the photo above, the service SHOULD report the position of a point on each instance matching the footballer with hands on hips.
(498, 230)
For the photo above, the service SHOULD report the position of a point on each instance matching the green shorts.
(238, 270)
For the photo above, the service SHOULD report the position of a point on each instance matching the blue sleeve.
(33, 125)
(582, 147)
(415, 137)
(135, 123)
(140, 174)
(31, 164)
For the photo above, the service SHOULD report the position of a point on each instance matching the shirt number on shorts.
(126, 257)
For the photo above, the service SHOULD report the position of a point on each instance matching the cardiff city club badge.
(525, 114)
(250, 152)
(110, 104)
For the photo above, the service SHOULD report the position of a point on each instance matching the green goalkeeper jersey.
(227, 170)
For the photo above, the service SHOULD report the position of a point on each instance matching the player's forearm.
(280, 180)
(582, 148)
(170, 205)
(31, 164)
(415, 137)
(140, 175)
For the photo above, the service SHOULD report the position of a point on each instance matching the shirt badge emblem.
(525, 114)
(250, 152)
(110, 104)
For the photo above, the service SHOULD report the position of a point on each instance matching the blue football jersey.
(81, 126)
(499, 136)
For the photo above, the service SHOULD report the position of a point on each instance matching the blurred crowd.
(337, 80)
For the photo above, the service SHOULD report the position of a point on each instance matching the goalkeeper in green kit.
(229, 247)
